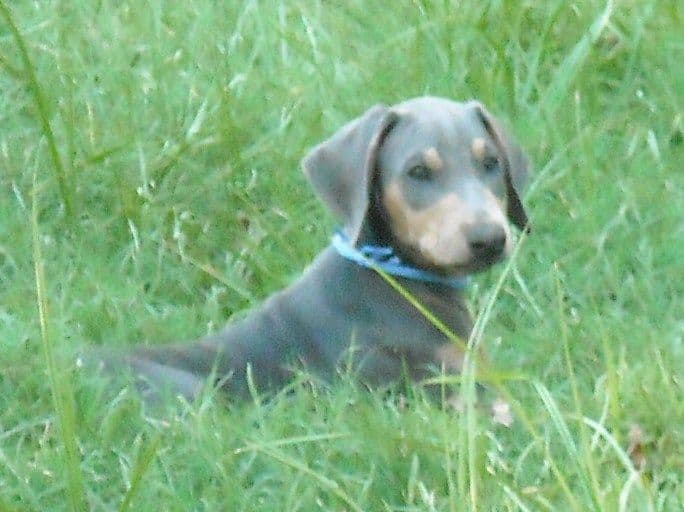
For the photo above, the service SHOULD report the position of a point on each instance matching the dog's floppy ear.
(516, 166)
(340, 168)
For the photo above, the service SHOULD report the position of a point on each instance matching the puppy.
(426, 191)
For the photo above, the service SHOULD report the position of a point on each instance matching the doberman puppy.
(425, 191)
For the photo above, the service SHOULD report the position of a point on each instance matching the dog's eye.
(491, 164)
(420, 172)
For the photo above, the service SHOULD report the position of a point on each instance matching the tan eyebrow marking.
(478, 148)
(432, 159)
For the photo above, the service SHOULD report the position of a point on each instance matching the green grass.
(149, 189)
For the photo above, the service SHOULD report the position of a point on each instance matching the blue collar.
(383, 257)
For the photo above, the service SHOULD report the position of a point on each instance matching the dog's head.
(438, 180)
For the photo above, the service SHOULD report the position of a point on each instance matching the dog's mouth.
(484, 262)
(464, 269)
(455, 265)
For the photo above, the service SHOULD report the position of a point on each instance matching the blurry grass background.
(149, 189)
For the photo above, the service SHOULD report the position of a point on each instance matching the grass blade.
(326, 482)
(569, 68)
(141, 466)
(60, 384)
(624, 459)
(42, 108)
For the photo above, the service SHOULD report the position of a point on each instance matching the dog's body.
(335, 307)
(434, 180)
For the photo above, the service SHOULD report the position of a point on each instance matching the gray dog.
(425, 191)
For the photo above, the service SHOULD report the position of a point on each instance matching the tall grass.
(150, 190)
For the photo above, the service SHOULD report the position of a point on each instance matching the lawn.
(150, 189)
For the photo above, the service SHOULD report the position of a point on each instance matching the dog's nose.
(486, 240)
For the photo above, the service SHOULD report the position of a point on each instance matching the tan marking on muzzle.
(435, 232)
(496, 214)
(479, 148)
(438, 233)
(432, 159)
(494, 209)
